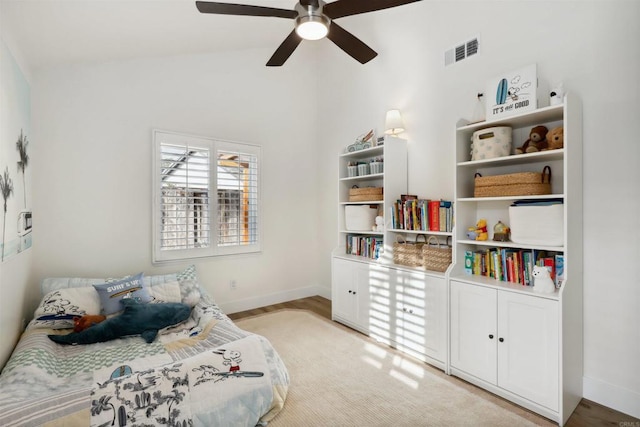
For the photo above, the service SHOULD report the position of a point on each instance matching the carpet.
(342, 378)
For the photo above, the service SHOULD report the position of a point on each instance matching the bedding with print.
(204, 371)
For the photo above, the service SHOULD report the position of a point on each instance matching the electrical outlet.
(233, 284)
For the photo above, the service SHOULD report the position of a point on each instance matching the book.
(559, 270)
(434, 215)
(468, 262)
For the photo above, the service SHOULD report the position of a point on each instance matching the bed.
(204, 371)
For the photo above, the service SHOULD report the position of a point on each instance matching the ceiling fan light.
(312, 27)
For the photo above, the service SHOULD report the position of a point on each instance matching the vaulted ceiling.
(55, 32)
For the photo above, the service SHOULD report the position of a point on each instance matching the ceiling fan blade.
(350, 44)
(284, 51)
(341, 8)
(244, 9)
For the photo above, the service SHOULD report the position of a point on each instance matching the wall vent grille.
(462, 51)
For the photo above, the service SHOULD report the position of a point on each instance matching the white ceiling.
(56, 32)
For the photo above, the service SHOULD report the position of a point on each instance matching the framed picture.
(512, 93)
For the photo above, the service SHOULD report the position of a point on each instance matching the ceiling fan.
(314, 21)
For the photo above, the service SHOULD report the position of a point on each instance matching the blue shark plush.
(137, 319)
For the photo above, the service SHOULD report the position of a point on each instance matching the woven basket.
(513, 184)
(365, 194)
(437, 257)
(408, 253)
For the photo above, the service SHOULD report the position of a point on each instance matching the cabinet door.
(343, 282)
(350, 293)
(473, 330)
(381, 300)
(420, 313)
(528, 355)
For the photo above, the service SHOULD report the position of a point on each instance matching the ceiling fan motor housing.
(311, 23)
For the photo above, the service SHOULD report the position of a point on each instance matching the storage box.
(360, 217)
(367, 194)
(537, 224)
(513, 184)
(491, 142)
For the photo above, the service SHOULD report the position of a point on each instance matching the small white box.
(537, 225)
(360, 217)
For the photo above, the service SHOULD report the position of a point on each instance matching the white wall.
(17, 290)
(93, 170)
(592, 48)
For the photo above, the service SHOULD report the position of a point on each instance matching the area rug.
(342, 378)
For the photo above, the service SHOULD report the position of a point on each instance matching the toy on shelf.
(555, 138)
(379, 224)
(501, 232)
(542, 281)
(537, 141)
(471, 233)
(481, 230)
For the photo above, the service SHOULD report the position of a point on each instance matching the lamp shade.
(393, 124)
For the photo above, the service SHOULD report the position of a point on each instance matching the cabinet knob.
(501, 339)
(350, 291)
(354, 292)
(490, 336)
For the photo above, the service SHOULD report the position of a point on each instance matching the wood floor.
(587, 414)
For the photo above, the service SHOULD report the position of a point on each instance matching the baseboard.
(612, 396)
(275, 298)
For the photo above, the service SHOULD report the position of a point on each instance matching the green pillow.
(137, 319)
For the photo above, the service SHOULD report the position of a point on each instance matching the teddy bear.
(555, 138)
(537, 140)
(481, 230)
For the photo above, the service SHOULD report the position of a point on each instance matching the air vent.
(462, 51)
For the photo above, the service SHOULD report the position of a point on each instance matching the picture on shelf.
(512, 93)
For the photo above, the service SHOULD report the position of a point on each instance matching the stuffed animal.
(542, 281)
(137, 319)
(80, 323)
(537, 141)
(555, 138)
(379, 224)
(481, 230)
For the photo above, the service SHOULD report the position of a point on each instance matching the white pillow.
(58, 308)
(166, 292)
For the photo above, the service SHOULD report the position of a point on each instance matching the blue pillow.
(113, 292)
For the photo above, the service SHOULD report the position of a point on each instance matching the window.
(206, 197)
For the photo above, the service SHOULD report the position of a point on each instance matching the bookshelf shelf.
(482, 307)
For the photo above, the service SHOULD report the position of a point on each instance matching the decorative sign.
(512, 93)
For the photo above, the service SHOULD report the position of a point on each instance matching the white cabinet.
(506, 339)
(404, 309)
(350, 293)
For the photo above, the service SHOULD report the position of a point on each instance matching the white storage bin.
(360, 217)
(491, 142)
(537, 225)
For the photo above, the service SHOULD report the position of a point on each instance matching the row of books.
(514, 265)
(366, 246)
(411, 213)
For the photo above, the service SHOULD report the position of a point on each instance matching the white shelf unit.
(524, 346)
(393, 181)
(403, 307)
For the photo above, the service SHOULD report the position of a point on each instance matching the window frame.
(214, 145)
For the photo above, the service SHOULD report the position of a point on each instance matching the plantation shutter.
(185, 197)
(206, 197)
(237, 197)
